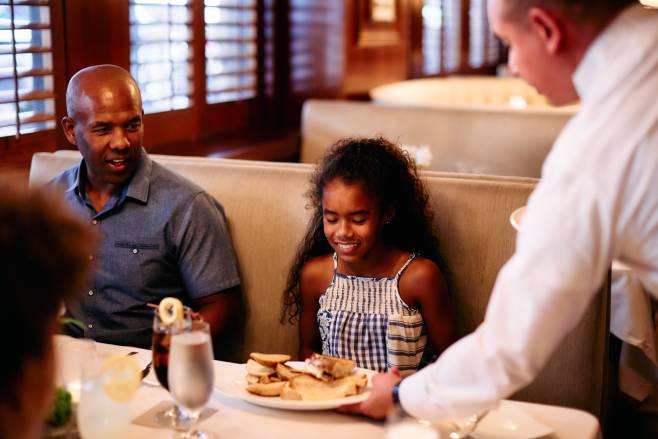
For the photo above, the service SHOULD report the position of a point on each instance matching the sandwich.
(322, 377)
(327, 368)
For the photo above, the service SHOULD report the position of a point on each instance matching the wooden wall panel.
(96, 33)
(376, 52)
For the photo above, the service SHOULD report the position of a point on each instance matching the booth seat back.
(480, 141)
(471, 91)
(267, 216)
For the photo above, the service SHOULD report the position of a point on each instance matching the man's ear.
(547, 27)
(69, 132)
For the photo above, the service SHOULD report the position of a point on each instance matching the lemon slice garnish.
(170, 310)
(120, 377)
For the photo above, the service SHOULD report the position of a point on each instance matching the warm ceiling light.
(650, 3)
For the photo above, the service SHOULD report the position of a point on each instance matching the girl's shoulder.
(420, 270)
(316, 274)
(421, 281)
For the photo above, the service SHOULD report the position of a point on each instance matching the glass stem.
(193, 417)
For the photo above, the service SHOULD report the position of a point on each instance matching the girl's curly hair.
(387, 173)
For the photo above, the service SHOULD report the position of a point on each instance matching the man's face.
(529, 56)
(107, 130)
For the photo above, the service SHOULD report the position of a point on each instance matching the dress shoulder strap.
(333, 276)
(406, 264)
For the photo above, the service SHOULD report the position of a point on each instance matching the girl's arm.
(422, 286)
(315, 277)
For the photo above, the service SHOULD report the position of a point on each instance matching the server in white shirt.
(597, 201)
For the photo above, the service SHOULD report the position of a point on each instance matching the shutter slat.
(233, 73)
(34, 95)
(232, 40)
(7, 50)
(31, 26)
(27, 2)
(43, 117)
(230, 89)
(28, 73)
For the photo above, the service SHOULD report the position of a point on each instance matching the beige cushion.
(480, 141)
(265, 207)
(471, 91)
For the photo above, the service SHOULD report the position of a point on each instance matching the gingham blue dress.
(364, 319)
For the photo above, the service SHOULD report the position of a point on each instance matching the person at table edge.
(596, 201)
(161, 234)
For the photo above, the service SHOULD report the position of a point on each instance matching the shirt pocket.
(129, 263)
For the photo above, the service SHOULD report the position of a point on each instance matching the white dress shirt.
(597, 200)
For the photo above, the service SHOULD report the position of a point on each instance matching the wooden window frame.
(17, 151)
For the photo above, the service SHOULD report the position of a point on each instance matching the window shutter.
(27, 98)
(161, 53)
(231, 50)
(484, 49)
(452, 29)
(432, 14)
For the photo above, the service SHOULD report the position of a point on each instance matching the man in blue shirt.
(161, 234)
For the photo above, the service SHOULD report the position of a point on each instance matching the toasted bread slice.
(269, 389)
(257, 369)
(285, 372)
(269, 360)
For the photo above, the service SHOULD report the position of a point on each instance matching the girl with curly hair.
(366, 283)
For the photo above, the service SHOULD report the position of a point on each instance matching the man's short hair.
(44, 255)
(580, 10)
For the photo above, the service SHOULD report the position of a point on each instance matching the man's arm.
(220, 310)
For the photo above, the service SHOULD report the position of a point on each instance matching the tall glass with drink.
(107, 386)
(168, 319)
(191, 374)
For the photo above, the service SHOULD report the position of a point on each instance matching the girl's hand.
(380, 401)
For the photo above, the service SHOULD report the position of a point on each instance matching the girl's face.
(352, 220)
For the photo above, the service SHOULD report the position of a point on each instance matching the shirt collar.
(137, 187)
(604, 47)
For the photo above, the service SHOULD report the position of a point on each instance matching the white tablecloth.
(236, 418)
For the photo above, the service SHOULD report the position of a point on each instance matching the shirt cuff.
(413, 398)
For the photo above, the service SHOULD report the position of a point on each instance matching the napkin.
(148, 419)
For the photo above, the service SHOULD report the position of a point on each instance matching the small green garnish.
(61, 409)
(71, 321)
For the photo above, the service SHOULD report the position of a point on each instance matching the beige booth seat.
(265, 207)
(480, 141)
(466, 91)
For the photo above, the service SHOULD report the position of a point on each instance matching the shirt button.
(135, 251)
(91, 292)
(90, 326)
(94, 222)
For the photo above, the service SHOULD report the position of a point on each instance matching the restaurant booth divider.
(268, 213)
(465, 139)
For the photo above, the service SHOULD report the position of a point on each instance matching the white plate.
(234, 386)
(510, 422)
(516, 216)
